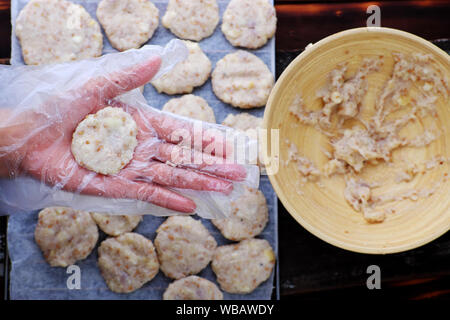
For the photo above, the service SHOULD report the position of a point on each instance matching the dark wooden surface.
(301, 24)
(309, 267)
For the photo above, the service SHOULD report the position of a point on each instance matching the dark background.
(309, 268)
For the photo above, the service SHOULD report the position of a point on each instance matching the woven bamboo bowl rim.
(324, 211)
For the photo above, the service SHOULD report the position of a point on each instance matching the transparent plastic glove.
(42, 106)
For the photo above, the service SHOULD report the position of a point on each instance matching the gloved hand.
(36, 133)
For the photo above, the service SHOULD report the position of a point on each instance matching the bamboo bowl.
(323, 210)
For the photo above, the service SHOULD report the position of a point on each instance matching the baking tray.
(30, 277)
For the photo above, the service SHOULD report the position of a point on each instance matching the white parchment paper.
(32, 278)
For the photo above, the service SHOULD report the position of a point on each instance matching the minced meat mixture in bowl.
(364, 141)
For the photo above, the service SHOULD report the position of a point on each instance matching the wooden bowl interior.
(323, 210)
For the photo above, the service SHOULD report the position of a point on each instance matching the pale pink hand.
(47, 154)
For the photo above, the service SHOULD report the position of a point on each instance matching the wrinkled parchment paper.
(32, 278)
